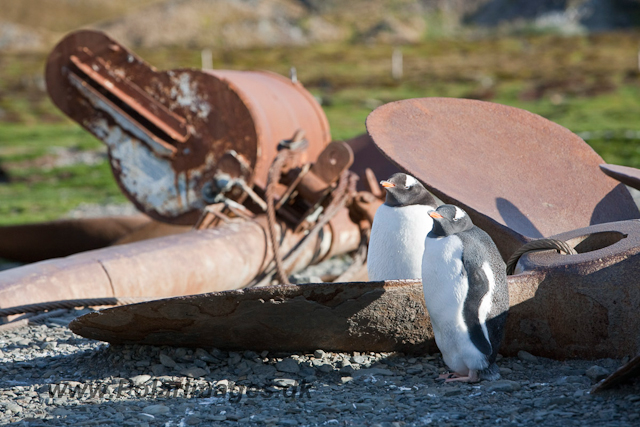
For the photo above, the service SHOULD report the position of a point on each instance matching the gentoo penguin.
(399, 228)
(465, 288)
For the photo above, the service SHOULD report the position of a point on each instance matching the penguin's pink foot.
(448, 375)
(459, 379)
(471, 378)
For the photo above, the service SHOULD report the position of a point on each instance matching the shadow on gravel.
(156, 385)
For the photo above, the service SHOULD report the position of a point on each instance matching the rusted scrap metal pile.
(243, 186)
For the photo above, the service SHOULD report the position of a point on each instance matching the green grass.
(47, 193)
(22, 142)
(583, 83)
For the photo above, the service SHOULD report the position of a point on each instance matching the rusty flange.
(562, 306)
(518, 175)
(168, 131)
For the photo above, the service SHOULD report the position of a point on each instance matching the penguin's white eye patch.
(410, 181)
(459, 214)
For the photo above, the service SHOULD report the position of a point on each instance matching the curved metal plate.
(517, 174)
(625, 174)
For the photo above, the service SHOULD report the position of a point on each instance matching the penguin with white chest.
(399, 228)
(465, 288)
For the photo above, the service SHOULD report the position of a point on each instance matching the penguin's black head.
(405, 190)
(448, 220)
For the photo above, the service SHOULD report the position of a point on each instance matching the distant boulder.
(15, 37)
(4, 177)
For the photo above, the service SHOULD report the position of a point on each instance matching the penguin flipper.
(478, 288)
(490, 373)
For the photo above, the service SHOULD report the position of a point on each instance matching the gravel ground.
(152, 386)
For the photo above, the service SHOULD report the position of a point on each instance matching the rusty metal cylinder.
(170, 132)
(226, 257)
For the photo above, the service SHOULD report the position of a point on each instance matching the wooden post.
(396, 64)
(207, 59)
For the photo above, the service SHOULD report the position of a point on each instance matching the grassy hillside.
(589, 84)
(66, 15)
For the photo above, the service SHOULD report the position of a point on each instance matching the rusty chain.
(72, 303)
(272, 180)
(340, 196)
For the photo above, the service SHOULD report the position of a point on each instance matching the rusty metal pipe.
(223, 258)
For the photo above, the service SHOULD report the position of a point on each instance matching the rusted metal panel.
(167, 131)
(518, 175)
(562, 306)
(37, 242)
(226, 257)
(98, 72)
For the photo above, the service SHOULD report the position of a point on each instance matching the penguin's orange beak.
(435, 215)
(387, 184)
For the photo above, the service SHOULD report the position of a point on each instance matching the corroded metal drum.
(170, 132)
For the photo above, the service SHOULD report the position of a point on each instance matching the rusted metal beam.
(366, 316)
(518, 175)
(41, 241)
(226, 257)
(562, 306)
(37, 242)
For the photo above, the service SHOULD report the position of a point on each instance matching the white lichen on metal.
(141, 162)
(150, 179)
(125, 122)
(186, 94)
